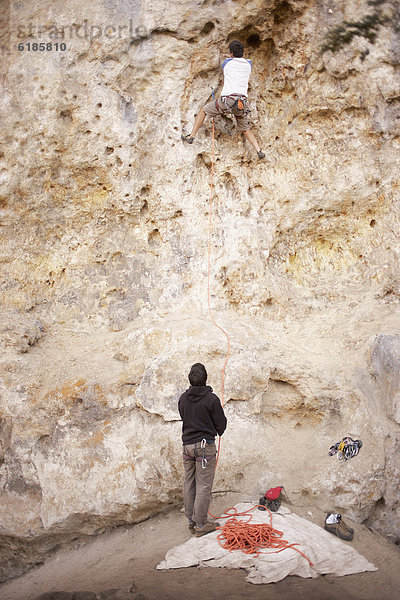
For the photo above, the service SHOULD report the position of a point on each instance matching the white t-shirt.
(236, 76)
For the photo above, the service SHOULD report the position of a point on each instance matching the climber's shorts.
(217, 107)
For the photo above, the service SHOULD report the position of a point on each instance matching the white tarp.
(325, 551)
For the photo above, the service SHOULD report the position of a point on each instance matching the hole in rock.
(253, 40)
(99, 105)
(282, 382)
(154, 237)
(109, 150)
(208, 27)
(145, 190)
(66, 114)
(283, 11)
(372, 223)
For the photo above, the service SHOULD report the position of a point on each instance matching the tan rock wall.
(104, 261)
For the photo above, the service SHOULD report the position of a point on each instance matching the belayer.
(202, 419)
(233, 97)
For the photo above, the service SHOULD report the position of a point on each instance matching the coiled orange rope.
(251, 538)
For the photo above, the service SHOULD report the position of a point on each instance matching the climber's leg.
(244, 127)
(250, 137)
(198, 122)
(212, 109)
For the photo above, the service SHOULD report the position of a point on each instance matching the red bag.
(271, 499)
(273, 493)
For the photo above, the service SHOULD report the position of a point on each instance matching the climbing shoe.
(260, 154)
(350, 529)
(187, 138)
(207, 528)
(334, 524)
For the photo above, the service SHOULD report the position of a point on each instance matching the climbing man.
(203, 418)
(233, 97)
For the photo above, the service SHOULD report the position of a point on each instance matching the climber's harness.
(240, 106)
(202, 447)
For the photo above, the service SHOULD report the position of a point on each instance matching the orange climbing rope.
(237, 534)
(252, 538)
(208, 286)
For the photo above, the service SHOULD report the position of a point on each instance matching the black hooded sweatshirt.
(201, 413)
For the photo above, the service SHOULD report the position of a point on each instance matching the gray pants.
(198, 481)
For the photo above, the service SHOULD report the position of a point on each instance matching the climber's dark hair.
(236, 48)
(198, 375)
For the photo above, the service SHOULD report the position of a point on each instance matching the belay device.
(271, 499)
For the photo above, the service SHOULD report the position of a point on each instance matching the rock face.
(104, 258)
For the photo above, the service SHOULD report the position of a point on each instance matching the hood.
(197, 392)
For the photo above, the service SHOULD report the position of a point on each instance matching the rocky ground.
(120, 565)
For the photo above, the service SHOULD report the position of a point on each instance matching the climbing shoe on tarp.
(207, 528)
(187, 138)
(335, 524)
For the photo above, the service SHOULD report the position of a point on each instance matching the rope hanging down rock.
(208, 286)
(237, 534)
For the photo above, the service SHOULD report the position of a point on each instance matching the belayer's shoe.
(350, 529)
(339, 527)
(187, 138)
(207, 528)
(260, 154)
(192, 525)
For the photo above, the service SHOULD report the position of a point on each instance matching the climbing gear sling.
(346, 448)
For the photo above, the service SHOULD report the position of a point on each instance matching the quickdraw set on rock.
(346, 448)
